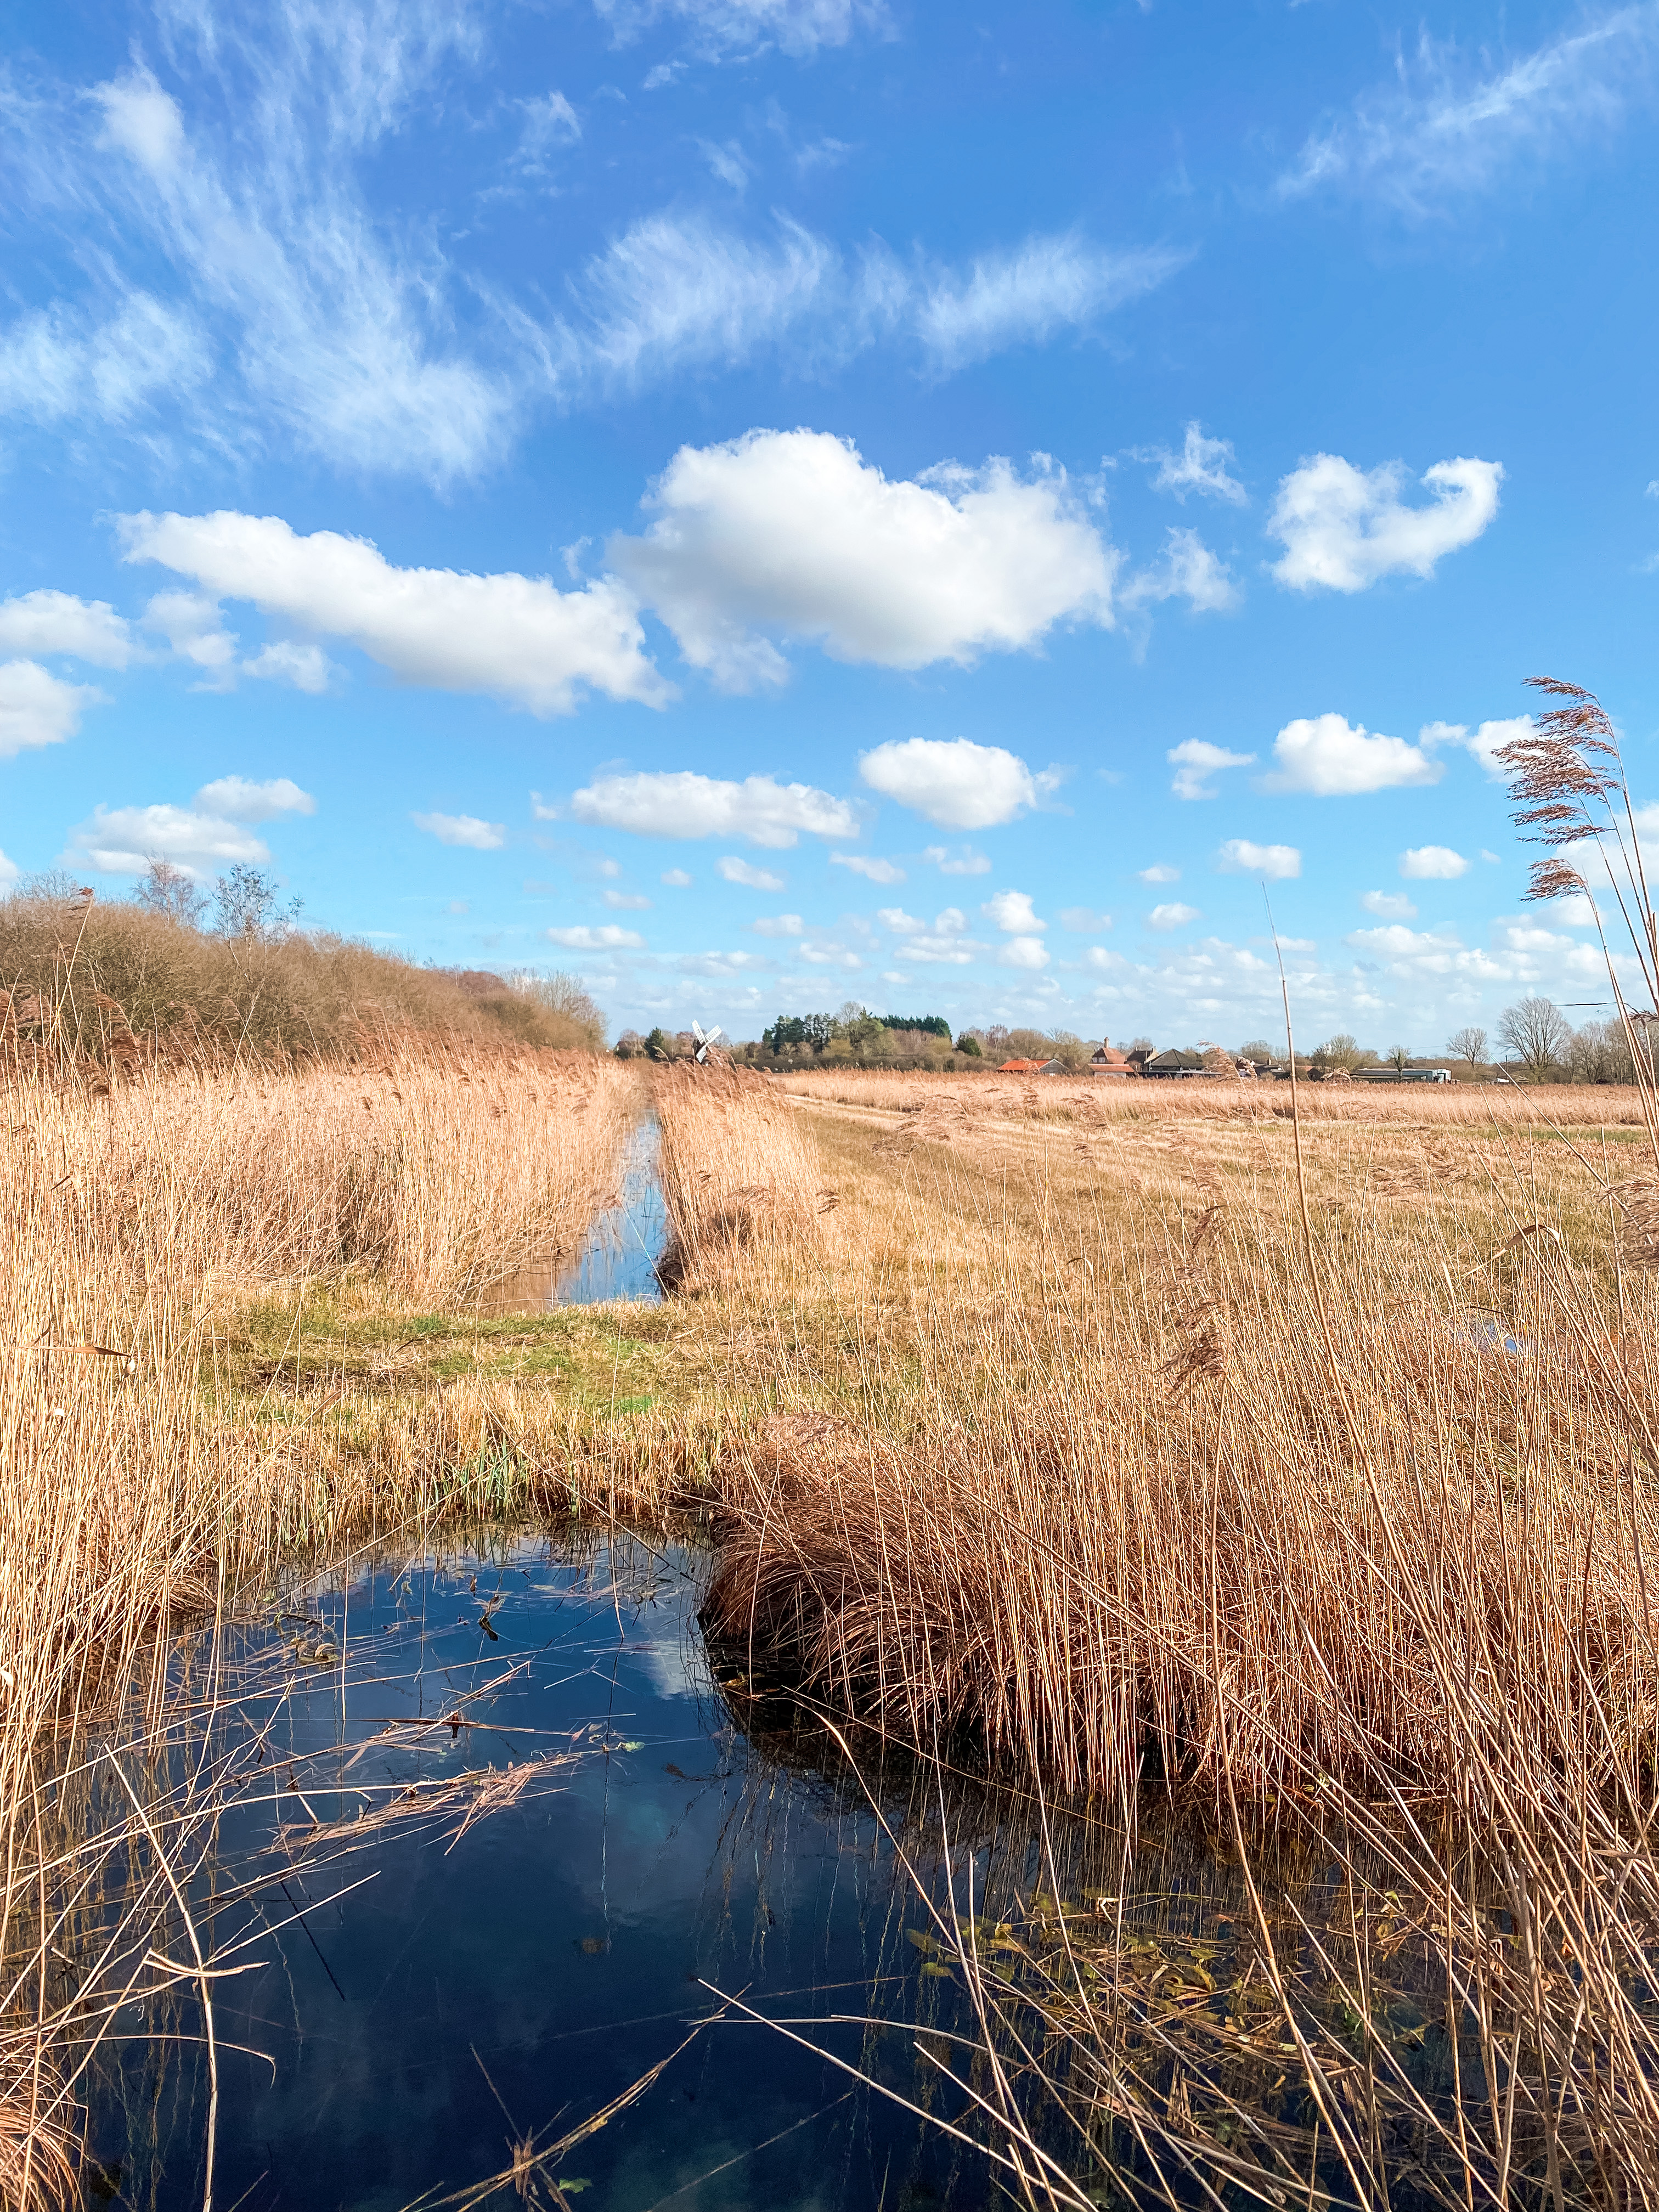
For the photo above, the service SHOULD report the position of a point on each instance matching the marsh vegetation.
(1238, 1510)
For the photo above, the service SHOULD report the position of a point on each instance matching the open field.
(1071, 1434)
(1098, 1099)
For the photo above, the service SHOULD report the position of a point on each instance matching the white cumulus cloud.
(626, 902)
(1195, 762)
(1239, 856)
(237, 799)
(39, 708)
(518, 638)
(872, 870)
(731, 869)
(1433, 864)
(56, 621)
(1482, 744)
(954, 781)
(191, 623)
(1029, 952)
(142, 120)
(778, 925)
(1200, 465)
(1388, 906)
(1162, 872)
(608, 937)
(677, 802)
(462, 829)
(967, 862)
(1189, 571)
(1172, 915)
(1343, 528)
(677, 879)
(901, 924)
(285, 661)
(212, 832)
(791, 532)
(1011, 911)
(1327, 756)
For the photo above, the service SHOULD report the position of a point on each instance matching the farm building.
(1107, 1059)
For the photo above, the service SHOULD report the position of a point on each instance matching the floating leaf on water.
(573, 2188)
(484, 1623)
(638, 1744)
(940, 1973)
(924, 1940)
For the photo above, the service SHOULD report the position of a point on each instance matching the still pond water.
(514, 1978)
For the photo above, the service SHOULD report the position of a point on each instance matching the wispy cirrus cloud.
(247, 282)
(718, 30)
(676, 291)
(1449, 123)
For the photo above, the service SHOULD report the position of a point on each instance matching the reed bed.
(741, 1179)
(1311, 1478)
(1068, 1098)
(133, 1218)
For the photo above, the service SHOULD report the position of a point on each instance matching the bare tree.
(165, 889)
(1338, 1051)
(1536, 1030)
(1398, 1057)
(247, 903)
(1469, 1045)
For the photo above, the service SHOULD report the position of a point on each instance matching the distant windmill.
(705, 1038)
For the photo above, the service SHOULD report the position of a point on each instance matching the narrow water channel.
(619, 1253)
(455, 1985)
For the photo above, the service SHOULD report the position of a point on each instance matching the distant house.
(1107, 1059)
(1174, 1062)
(1029, 1067)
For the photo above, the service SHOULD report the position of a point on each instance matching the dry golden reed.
(130, 1223)
(740, 1177)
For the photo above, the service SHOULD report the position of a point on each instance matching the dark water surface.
(518, 1976)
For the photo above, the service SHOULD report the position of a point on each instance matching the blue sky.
(764, 501)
